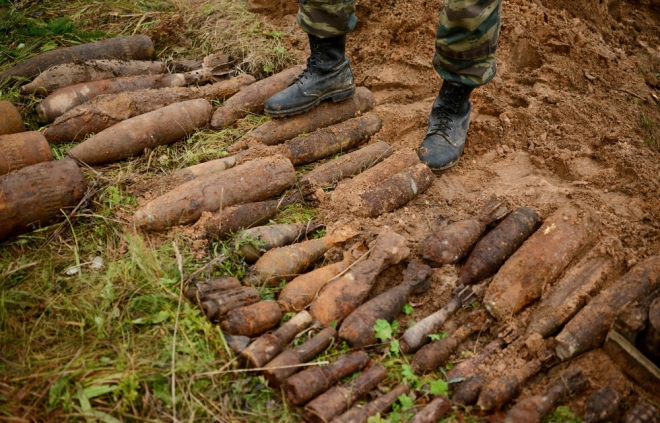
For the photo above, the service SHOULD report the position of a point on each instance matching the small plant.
(562, 414)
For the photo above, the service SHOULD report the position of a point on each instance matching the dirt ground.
(571, 117)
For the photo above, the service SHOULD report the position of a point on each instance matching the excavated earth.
(573, 116)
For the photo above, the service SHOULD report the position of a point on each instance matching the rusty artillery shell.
(490, 253)
(468, 391)
(346, 166)
(303, 386)
(468, 367)
(230, 220)
(92, 70)
(301, 291)
(325, 114)
(251, 99)
(540, 260)
(254, 242)
(358, 328)
(199, 292)
(500, 391)
(602, 406)
(10, 119)
(252, 181)
(286, 363)
(104, 111)
(65, 99)
(34, 196)
(343, 295)
(434, 355)
(269, 345)
(23, 149)
(434, 411)
(220, 303)
(131, 137)
(395, 192)
(651, 339)
(533, 409)
(339, 398)
(252, 320)
(642, 412)
(588, 329)
(571, 294)
(361, 413)
(187, 174)
(137, 47)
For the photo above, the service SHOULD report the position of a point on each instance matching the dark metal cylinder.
(23, 149)
(10, 119)
(35, 195)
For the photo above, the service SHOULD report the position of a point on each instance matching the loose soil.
(572, 116)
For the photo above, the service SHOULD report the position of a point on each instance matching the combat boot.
(448, 124)
(328, 75)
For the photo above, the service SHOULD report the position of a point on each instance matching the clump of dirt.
(572, 117)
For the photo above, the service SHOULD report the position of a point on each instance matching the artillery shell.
(230, 220)
(204, 169)
(285, 263)
(500, 391)
(10, 119)
(252, 181)
(540, 260)
(395, 192)
(602, 406)
(651, 339)
(533, 409)
(23, 149)
(469, 366)
(269, 345)
(339, 398)
(346, 166)
(301, 291)
(286, 363)
(434, 411)
(434, 355)
(450, 244)
(65, 99)
(237, 343)
(642, 412)
(343, 295)
(358, 328)
(361, 413)
(468, 392)
(131, 137)
(252, 320)
(137, 47)
(303, 386)
(93, 70)
(253, 243)
(571, 294)
(198, 292)
(325, 114)
(490, 253)
(588, 329)
(102, 112)
(251, 98)
(220, 303)
(34, 196)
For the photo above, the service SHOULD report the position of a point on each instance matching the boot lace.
(312, 62)
(444, 113)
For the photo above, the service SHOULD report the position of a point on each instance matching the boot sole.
(442, 169)
(336, 96)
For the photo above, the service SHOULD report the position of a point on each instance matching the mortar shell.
(10, 119)
(23, 149)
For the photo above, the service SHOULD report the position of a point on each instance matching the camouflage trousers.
(465, 41)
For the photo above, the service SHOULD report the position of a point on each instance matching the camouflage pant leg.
(466, 41)
(327, 18)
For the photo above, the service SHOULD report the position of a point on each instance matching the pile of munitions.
(110, 96)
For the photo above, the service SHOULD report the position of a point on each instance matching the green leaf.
(98, 390)
(160, 317)
(395, 327)
(409, 377)
(407, 309)
(440, 387)
(438, 336)
(383, 330)
(406, 402)
(395, 347)
(105, 418)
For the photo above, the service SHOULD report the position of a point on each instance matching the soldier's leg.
(466, 41)
(328, 74)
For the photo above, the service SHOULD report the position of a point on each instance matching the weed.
(562, 414)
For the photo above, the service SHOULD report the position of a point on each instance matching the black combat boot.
(328, 75)
(448, 125)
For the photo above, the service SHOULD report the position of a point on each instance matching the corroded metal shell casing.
(35, 195)
(23, 149)
(10, 119)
